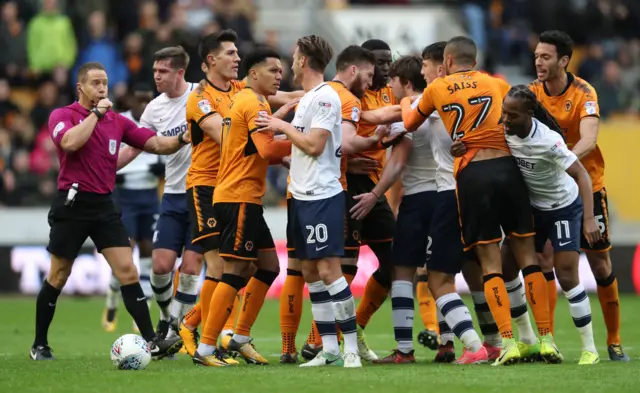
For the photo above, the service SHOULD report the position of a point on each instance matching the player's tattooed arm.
(384, 115)
(589, 127)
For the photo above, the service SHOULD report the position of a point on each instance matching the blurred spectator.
(198, 13)
(237, 15)
(50, 39)
(8, 109)
(23, 187)
(46, 103)
(103, 50)
(13, 41)
(593, 62)
(613, 95)
(134, 58)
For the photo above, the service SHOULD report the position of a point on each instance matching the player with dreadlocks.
(560, 194)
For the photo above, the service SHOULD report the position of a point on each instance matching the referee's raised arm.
(87, 136)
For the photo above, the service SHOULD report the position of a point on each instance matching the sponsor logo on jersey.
(205, 106)
(590, 107)
(175, 130)
(355, 114)
(525, 164)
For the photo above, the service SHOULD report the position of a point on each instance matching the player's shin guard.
(375, 293)
(446, 334)
(580, 309)
(426, 304)
(458, 317)
(519, 313)
(610, 304)
(488, 326)
(291, 309)
(221, 304)
(402, 309)
(254, 296)
(498, 301)
(45, 308)
(552, 291)
(538, 297)
(136, 304)
(162, 286)
(186, 295)
(344, 311)
(323, 315)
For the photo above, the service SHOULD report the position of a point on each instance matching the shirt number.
(484, 101)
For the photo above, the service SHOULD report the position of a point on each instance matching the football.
(130, 352)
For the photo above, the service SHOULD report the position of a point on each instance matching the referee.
(87, 136)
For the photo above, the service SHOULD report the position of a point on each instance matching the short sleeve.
(351, 110)
(504, 87)
(426, 105)
(200, 106)
(326, 109)
(254, 108)
(133, 135)
(60, 122)
(145, 119)
(589, 104)
(559, 152)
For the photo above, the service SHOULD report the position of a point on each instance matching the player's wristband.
(97, 112)
(181, 138)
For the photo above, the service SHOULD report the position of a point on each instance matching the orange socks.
(610, 304)
(233, 317)
(426, 305)
(206, 292)
(291, 309)
(314, 336)
(498, 301)
(221, 305)
(374, 296)
(176, 281)
(552, 291)
(193, 318)
(255, 294)
(535, 286)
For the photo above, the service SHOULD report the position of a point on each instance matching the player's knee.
(600, 265)
(59, 275)
(251, 269)
(126, 274)
(441, 284)
(191, 266)
(546, 264)
(567, 275)
(162, 263)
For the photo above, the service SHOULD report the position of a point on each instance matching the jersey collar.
(216, 87)
(534, 128)
(570, 79)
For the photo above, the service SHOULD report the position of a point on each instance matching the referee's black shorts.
(91, 215)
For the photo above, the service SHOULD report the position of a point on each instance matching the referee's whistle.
(71, 195)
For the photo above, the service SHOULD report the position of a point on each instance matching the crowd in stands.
(43, 41)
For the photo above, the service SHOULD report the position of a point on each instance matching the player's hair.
(213, 42)
(408, 68)
(531, 103)
(86, 67)
(317, 50)
(463, 49)
(561, 40)
(434, 52)
(257, 56)
(375, 44)
(354, 55)
(177, 56)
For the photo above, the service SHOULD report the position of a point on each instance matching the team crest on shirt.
(113, 146)
(205, 106)
(385, 98)
(567, 105)
(211, 223)
(248, 245)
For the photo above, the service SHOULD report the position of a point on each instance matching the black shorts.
(243, 230)
(446, 250)
(493, 194)
(601, 212)
(415, 216)
(379, 226)
(91, 215)
(204, 226)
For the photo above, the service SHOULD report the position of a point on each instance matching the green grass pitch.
(83, 363)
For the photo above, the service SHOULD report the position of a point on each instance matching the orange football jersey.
(470, 105)
(579, 100)
(205, 101)
(375, 99)
(243, 172)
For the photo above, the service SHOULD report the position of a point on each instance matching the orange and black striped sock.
(374, 295)
(552, 290)
(426, 305)
(349, 272)
(535, 286)
(255, 294)
(498, 300)
(221, 305)
(610, 304)
(206, 292)
(291, 309)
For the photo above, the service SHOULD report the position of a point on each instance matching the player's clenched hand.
(270, 123)
(282, 112)
(381, 132)
(186, 137)
(366, 202)
(393, 139)
(458, 149)
(591, 230)
(361, 166)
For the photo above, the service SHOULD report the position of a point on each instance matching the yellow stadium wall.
(618, 140)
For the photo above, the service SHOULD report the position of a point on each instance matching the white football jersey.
(137, 175)
(168, 117)
(314, 178)
(543, 158)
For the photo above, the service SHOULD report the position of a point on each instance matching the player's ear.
(564, 61)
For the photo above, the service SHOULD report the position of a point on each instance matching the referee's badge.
(112, 146)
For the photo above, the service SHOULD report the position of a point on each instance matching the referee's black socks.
(136, 303)
(45, 308)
